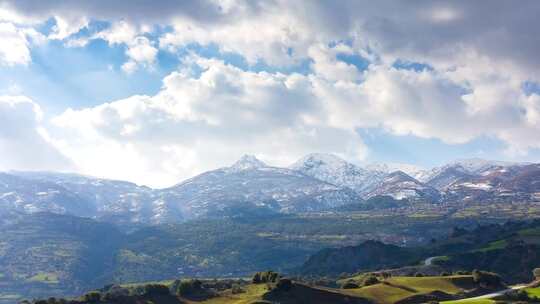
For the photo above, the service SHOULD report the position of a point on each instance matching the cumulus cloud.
(199, 122)
(468, 63)
(24, 143)
(14, 46)
(140, 52)
(66, 26)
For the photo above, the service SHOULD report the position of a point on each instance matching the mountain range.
(315, 183)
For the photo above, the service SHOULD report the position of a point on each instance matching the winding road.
(491, 295)
(429, 261)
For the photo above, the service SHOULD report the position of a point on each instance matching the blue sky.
(235, 79)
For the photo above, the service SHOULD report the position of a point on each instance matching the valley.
(65, 234)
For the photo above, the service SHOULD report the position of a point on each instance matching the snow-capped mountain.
(399, 185)
(368, 181)
(250, 180)
(449, 175)
(29, 196)
(314, 183)
(334, 170)
(518, 182)
(116, 201)
(410, 170)
(472, 166)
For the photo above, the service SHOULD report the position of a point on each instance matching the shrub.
(462, 272)
(92, 297)
(156, 290)
(236, 289)
(418, 274)
(385, 275)
(189, 287)
(256, 278)
(265, 277)
(51, 300)
(115, 292)
(370, 280)
(536, 273)
(488, 279)
(350, 285)
(445, 274)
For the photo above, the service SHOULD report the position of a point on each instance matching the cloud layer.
(453, 71)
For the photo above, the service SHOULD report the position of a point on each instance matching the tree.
(370, 280)
(486, 279)
(189, 287)
(536, 273)
(350, 285)
(265, 277)
(256, 278)
(92, 297)
(236, 289)
(156, 290)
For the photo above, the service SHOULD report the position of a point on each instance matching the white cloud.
(477, 60)
(140, 53)
(14, 47)
(199, 123)
(212, 118)
(66, 26)
(120, 32)
(24, 143)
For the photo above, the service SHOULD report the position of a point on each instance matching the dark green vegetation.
(53, 255)
(274, 289)
(370, 255)
(271, 287)
(511, 249)
(377, 202)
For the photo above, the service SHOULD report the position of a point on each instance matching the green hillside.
(269, 287)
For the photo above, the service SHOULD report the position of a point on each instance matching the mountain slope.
(250, 180)
(114, 201)
(29, 195)
(334, 170)
(370, 255)
(47, 254)
(399, 185)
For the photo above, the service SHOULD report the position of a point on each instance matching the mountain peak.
(317, 159)
(247, 162)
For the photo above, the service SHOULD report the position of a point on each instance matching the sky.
(158, 91)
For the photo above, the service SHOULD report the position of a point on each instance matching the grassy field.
(478, 301)
(494, 246)
(533, 291)
(399, 288)
(252, 293)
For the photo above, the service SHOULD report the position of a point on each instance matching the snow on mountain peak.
(247, 162)
(474, 165)
(329, 161)
(334, 170)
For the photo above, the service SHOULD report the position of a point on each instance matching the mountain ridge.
(314, 183)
